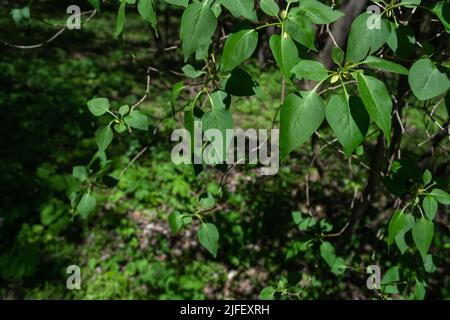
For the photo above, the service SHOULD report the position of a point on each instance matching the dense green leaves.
(238, 48)
(427, 80)
(208, 235)
(300, 117)
(366, 39)
(285, 54)
(349, 120)
(198, 24)
(377, 101)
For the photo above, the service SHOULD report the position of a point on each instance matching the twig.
(133, 161)
(52, 38)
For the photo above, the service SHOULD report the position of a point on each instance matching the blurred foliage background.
(125, 249)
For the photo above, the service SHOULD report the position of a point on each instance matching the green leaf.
(96, 4)
(300, 117)
(319, 13)
(119, 127)
(285, 54)
(80, 173)
(267, 293)
(297, 217)
(300, 28)
(396, 224)
(401, 40)
(240, 83)
(120, 20)
(429, 264)
(242, 8)
(104, 136)
(336, 264)
(441, 196)
(21, 16)
(198, 25)
(182, 3)
(377, 102)
(419, 291)
(349, 121)
(270, 7)
(337, 55)
(176, 91)
(137, 120)
(219, 99)
(311, 70)
(86, 205)
(422, 233)
(207, 200)
(400, 241)
(123, 110)
(98, 106)
(327, 252)
(410, 3)
(175, 221)
(238, 48)
(303, 222)
(385, 65)
(363, 40)
(427, 80)
(390, 279)
(427, 177)
(442, 11)
(221, 120)
(146, 9)
(208, 235)
(430, 206)
(191, 72)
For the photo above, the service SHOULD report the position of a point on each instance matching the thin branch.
(52, 38)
